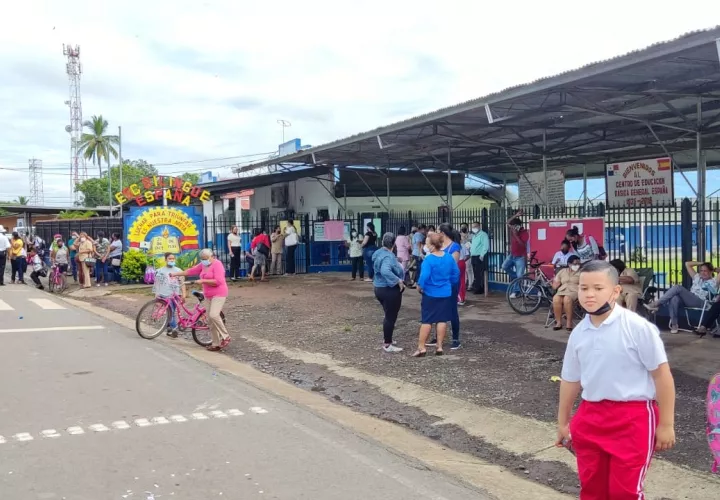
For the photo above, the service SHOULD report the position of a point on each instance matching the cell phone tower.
(37, 197)
(78, 169)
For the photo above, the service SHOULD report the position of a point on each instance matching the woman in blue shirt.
(388, 280)
(451, 246)
(438, 276)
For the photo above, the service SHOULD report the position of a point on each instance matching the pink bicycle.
(156, 315)
(56, 280)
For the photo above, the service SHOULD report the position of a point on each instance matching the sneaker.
(455, 346)
(461, 303)
(653, 306)
(392, 349)
(674, 328)
(431, 343)
(514, 295)
(172, 332)
(367, 280)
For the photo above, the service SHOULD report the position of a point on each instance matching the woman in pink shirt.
(402, 245)
(212, 278)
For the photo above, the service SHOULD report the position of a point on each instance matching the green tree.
(194, 178)
(97, 144)
(22, 200)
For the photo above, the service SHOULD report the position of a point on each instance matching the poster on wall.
(159, 230)
(640, 183)
(331, 230)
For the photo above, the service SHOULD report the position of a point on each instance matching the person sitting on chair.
(561, 257)
(631, 285)
(566, 283)
(704, 287)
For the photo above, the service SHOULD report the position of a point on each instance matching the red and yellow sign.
(154, 188)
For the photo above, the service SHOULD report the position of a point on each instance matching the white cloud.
(193, 79)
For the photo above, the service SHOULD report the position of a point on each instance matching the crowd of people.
(264, 253)
(78, 256)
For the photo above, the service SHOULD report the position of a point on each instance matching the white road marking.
(140, 422)
(51, 329)
(46, 304)
(4, 306)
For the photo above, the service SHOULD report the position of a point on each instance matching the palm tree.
(96, 145)
(22, 200)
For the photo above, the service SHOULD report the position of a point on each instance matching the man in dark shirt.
(516, 261)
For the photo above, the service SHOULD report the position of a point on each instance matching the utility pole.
(121, 166)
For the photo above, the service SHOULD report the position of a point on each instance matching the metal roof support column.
(585, 193)
(449, 187)
(505, 198)
(387, 188)
(667, 153)
(701, 178)
(544, 161)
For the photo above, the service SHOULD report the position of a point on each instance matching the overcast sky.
(190, 79)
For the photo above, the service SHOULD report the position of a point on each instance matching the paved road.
(90, 411)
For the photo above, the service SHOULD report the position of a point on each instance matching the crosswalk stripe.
(46, 304)
(4, 306)
(51, 329)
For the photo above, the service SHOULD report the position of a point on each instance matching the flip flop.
(419, 354)
(439, 352)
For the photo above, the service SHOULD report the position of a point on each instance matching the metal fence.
(108, 225)
(659, 237)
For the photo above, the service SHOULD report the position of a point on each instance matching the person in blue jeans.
(516, 261)
(369, 245)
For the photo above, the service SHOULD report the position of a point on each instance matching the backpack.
(150, 275)
(713, 420)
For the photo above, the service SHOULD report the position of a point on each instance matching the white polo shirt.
(613, 361)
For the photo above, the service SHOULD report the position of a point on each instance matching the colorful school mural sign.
(158, 230)
(157, 187)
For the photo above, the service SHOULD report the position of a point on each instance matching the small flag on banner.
(664, 164)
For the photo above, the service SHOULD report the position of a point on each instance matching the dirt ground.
(506, 361)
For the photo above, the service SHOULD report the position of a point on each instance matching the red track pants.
(462, 288)
(614, 443)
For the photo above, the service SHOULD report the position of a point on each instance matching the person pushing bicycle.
(166, 285)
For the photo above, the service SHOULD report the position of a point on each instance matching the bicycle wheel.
(201, 330)
(62, 283)
(529, 295)
(152, 319)
(51, 283)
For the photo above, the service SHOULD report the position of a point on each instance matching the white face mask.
(476, 230)
(574, 268)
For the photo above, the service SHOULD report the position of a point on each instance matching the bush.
(133, 265)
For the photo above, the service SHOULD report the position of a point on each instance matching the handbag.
(90, 261)
(115, 262)
(263, 249)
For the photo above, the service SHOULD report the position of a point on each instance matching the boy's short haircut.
(600, 266)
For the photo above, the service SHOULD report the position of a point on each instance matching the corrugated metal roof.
(657, 50)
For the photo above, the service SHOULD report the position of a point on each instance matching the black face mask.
(601, 310)
(463, 230)
(564, 250)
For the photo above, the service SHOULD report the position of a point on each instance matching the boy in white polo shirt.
(628, 393)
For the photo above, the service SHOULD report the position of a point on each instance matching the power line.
(167, 164)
